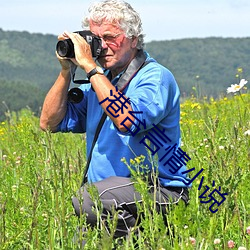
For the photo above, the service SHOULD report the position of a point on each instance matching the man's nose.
(104, 44)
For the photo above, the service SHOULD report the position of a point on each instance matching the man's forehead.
(104, 26)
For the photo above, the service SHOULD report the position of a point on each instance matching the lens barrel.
(65, 48)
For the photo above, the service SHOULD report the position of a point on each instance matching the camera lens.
(65, 48)
(75, 95)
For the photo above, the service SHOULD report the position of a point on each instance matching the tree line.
(202, 67)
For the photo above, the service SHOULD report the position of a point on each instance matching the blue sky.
(162, 19)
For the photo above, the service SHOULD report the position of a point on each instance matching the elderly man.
(140, 98)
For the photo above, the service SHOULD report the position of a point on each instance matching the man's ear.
(134, 42)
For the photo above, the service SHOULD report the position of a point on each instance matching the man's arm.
(55, 103)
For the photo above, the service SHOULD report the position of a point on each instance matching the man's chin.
(105, 63)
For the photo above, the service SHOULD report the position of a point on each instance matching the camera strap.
(136, 64)
(97, 132)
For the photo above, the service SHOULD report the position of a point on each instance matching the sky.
(162, 19)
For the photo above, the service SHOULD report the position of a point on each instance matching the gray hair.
(120, 13)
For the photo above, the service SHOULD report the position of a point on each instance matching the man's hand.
(66, 63)
(83, 54)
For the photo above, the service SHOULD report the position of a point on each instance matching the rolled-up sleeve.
(75, 117)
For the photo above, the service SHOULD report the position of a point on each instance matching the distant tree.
(17, 95)
(29, 67)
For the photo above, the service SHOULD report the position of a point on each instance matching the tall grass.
(40, 172)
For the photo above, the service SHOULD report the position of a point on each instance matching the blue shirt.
(154, 96)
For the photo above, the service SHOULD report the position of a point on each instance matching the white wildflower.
(192, 240)
(242, 248)
(22, 210)
(237, 87)
(14, 188)
(247, 133)
(217, 241)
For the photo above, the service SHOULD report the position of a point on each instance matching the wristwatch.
(96, 70)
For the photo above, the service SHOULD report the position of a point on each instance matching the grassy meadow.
(40, 172)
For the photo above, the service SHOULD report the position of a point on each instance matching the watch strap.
(93, 72)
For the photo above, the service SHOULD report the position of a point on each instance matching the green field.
(40, 172)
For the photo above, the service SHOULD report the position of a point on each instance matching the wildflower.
(247, 133)
(216, 241)
(183, 113)
(123, 160)
(195, 105)
(237, 87)
(45, 216)
(14, 188)
(22, 210)
(132, 162)
(248, 230)
(137, 159)
(221, 147)
(71, 167)
(192, 240)
(242, 248)
(240, 70)
(230, 244)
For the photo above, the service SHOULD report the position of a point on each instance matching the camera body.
(65, 48)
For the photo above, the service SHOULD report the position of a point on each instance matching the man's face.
(118, 50)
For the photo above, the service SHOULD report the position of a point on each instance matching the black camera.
(65, 48)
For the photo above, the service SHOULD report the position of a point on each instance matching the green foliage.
(36, 184)
(14, 95)
(28, 68)
(208, 61)
(26, 57)
(40, 172)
